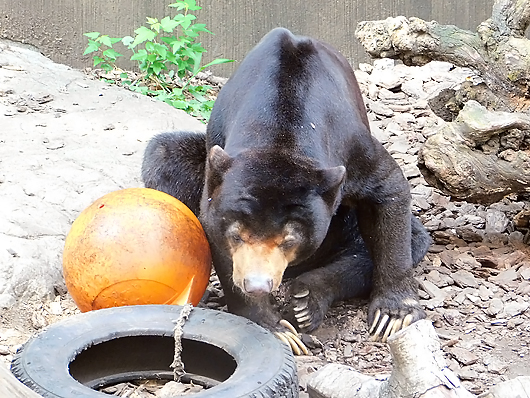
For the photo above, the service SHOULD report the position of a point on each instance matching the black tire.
(113, 345)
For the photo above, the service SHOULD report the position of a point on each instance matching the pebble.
(515, 308)
(463, 356)
(55, 308)
(464, 278)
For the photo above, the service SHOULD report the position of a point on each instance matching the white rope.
(178, 365)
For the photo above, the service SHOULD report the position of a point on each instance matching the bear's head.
(267, 210)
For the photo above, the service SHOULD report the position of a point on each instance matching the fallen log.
(13, 388)
(419, 371)
(480, 157)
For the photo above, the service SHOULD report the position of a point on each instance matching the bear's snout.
(258, 268)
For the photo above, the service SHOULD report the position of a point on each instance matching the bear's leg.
(349, 275)
(313, 292)
(174, 163)
(386, 229)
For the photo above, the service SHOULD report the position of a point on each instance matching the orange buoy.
(136, 246)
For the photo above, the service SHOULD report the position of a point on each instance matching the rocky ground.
(475, 280)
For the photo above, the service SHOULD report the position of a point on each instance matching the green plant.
(168, 57)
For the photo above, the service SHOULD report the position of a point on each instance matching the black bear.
(288, 179)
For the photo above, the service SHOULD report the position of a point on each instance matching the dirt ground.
(474, 280)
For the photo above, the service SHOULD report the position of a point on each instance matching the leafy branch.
(168, 57)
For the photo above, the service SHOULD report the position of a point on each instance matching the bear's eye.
(232, 234)
(289, 242)
(236, 238)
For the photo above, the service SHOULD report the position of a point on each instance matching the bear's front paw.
(388, 315)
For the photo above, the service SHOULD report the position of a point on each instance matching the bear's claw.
(290, 337)
(388, 324)
(301, 310)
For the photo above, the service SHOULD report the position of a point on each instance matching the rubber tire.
(265, 367)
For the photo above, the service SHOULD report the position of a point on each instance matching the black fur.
(288, 120)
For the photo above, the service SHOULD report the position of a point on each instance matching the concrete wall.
(56, 27)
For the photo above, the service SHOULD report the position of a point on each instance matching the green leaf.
(171, 58)
(152, 57)
(217, 61)
(142, 34)
(92, 35)
(190, 34)
(111, 54)
(192, 5)
(114, 40)
(127, 40)
(157, 67)
(198, 96)
(160, 49)
(149, 46)
(185, 20)
(98, 60)
(177, 92)
(199, 27)
(176, 46)
(152, 21)
(179, 104)
(197, 47)
(105, 39)
(156, 27)
(139, 89)
(107, 67)
(92, 46)
(179, 5)
(141, 55)
(168, 24)
(124, 75)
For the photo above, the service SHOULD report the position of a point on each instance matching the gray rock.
(385, 94)
(398, 144)
(514, 308)
(414, 88)
(469, 233)
(495, 307)
(506, 278)
(382, 135)
(495, 365)
(496, 221)
(465, 357)
(70, 165)
(525, 272)
(380, 108)
(484, 293)
(385, 78)
(434, 291)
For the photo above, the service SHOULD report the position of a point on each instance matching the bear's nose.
(257, 284)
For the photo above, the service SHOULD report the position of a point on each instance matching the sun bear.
(289, 182)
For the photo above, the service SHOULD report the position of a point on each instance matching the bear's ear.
(218, 159)
(331, 181)
(218, 163)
